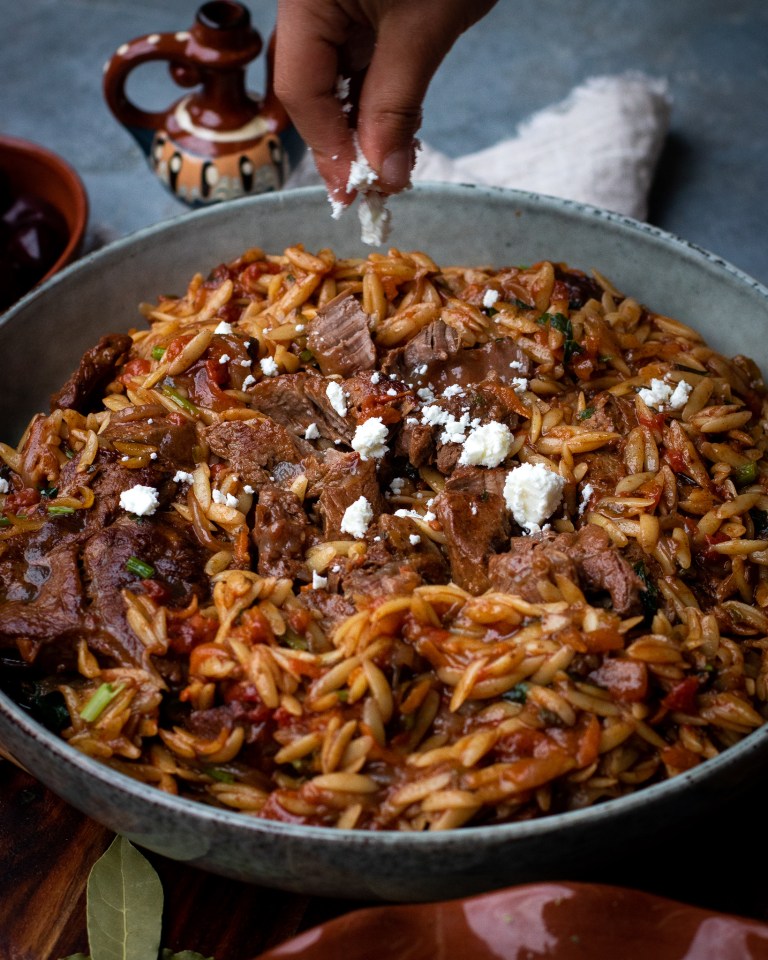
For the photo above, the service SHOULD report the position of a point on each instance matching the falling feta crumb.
(356, 518)
(318, 582)
(375, 218)
(268, 366)
(226, 498)
(586, 495)
(248, 382)
(336, 395)
(223, 327)
(337, 208)
(311, 433)
(487, 445)
(489, 298)
(141, 500)
(224, 358)
(414, 539)
(370, 439)
(341, 91)
(532, 493)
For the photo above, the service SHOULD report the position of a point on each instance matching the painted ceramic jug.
(220, 141)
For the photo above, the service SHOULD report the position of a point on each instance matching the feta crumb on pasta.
(532, 493)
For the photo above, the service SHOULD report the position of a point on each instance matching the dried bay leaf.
(125, 905)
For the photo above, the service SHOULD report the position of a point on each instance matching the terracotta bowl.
(455, 225)
(35, 170)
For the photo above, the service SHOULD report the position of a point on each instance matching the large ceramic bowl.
(41, 340)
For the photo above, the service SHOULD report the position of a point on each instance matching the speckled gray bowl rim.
(715, 769)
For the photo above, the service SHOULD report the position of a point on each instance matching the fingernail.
(396, 168)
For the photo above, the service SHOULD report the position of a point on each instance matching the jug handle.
(154, 46)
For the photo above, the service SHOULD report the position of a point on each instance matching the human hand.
(391, 49)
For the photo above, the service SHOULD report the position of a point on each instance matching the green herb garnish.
(306, 355)
(139, 567)
(586, 413)
(100, 701)
(649, 597)
(157, 353)
(746, 473)
(179, 399)
(563, 325)
(223, 776)
(518, 693)
(49, 492)
(59, 510)
(5, 522)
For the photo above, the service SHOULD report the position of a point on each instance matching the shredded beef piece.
(110, 479)
(98, 367)
(416, 442)
(475, 527)
(330, 608)
(178, 564)
(392, 564)
(431, 347)
(339, 337)
(280, 533)
(249, 445)
(488, 362)
(612, 413)
(588, 557)
(338, 481)
(295, 400)
(479, 481)
(173, 435)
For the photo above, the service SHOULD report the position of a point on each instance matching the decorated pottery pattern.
(219, 142)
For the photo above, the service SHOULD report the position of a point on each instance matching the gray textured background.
(711, 186)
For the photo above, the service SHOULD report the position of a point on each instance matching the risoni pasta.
(378, 544)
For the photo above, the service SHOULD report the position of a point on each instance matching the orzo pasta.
(379, 544)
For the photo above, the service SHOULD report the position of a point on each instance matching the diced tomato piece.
(678, 759)
(21, 502)
(138, 367)
(625, 680)
(188, 633)
(683, 695)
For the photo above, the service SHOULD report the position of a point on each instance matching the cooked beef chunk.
(479, 481)
(338, 481)
(474, 527)
(339, 337)
(431, 348)
(588, 557)
(392, 564)
(110, 479)
(173, 435)
(249, 445)
(39, 463)
(391, 400)
(488, 362)
(416, 442)
(330, 608)
(298, 399)
(280, 533)
(178, 564)
(611, 413)
(98, 366)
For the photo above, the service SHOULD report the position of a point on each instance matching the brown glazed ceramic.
(219, 142)
(562, 921)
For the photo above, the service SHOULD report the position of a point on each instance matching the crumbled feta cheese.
(247, 488)
(150, 420)
(375, 377)
(455, 430)
(421, 370)
(397, 486)
(414, 539)
(244, 363)
(473, 509)
(489, 298)
(411, 421)
(4, 485)
(299, 328)
(586, 495)
(182, 476)
(223, 327)
(337, 397)
(341, 90)
(226, 498)
(337, 208)
(657, 394)
(516, 365)
(429, 516)
(268, 366)
(311, 433)
(375, 219)
(413, 514)
(224, 358)
(455, 390)
(318, 582)
(532, 493)
(356, 518)
(248, 382)
(139, 499)
(370, 439)
(153, 456)
(361, 173)
(680, 395)
(426, 394)
(434, 416)
(519, 384)
(246, 344)
(124, 458)
(487, 445)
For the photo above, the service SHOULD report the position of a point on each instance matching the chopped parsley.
(563, 325)
(586, 413)
(139, 567)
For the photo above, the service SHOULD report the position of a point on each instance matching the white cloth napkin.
(600, 145)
